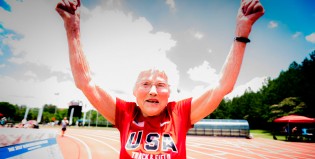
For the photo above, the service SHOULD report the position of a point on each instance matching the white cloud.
(37, 93)
(204, 73)
(171, 4)
(116, 45)
(2, 66)
(296, 35)
(272, 24)
(254, 85)
(42, 33)
(16, 60)
(30, 74)
(311, 38)
(198, 35)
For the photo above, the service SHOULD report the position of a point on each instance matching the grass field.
(268, 135)
(261, 133)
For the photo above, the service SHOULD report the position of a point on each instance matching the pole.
(56, 94)
(96, 118)
(71, 115)
(40, 114)
(26, 112)
(90, 118)
(84, 118)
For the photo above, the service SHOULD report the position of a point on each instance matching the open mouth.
(152, 101)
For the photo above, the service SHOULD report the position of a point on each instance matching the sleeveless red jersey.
(158, 137)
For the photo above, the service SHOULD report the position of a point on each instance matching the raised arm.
(248, 13)
(100, 99)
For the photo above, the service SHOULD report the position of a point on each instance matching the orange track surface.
(85, 143)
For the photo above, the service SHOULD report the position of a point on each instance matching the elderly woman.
(151, 126)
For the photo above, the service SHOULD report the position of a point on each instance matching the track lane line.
(87, 148)
(113, 148)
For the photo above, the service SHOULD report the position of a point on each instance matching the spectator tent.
(221, 127)
(305, 127)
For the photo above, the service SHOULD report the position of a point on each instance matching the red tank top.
(159, 137)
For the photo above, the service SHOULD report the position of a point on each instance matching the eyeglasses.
(148, 85)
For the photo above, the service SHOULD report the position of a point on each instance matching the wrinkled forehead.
(153, 75)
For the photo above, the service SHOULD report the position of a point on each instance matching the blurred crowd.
(23, 124)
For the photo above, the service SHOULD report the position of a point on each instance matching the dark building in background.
(77, 106)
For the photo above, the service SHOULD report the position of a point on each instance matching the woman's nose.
(153, 91)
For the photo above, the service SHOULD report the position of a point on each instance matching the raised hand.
(69, 10)
(251, 9)
(69, 6)
(249, 12)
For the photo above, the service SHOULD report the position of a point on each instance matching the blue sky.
(190, 39)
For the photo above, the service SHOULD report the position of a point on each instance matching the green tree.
(307, 86)
(290, 105)
(222, 112)
(8, 110)
(61, 113)
(32, 114)
(20, 113)
(292, 92)
(50, 108)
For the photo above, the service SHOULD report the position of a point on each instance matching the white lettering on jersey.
(152, 142)
(168, 143)
(133, 142)
(139, 155)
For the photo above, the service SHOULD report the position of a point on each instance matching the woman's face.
(152, 92)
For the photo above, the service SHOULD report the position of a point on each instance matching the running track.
(84, 143)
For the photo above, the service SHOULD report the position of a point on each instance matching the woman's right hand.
(69, 10)
(249, 12)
